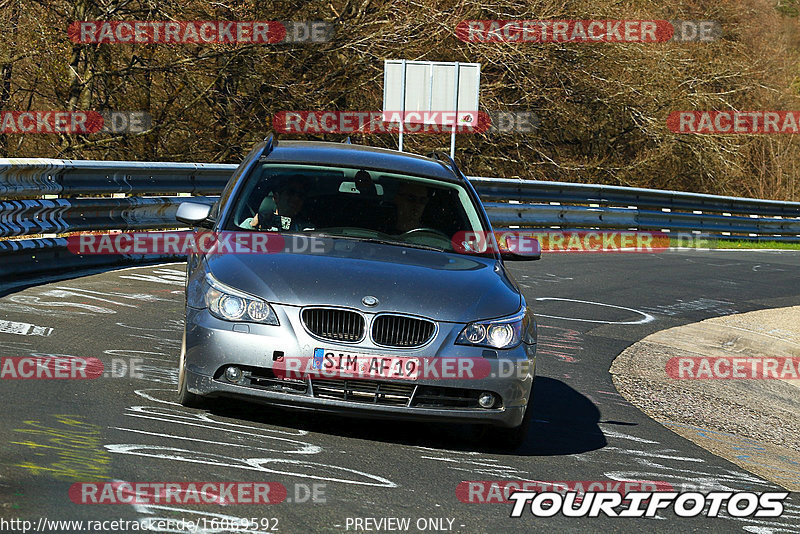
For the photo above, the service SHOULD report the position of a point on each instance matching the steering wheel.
(425, 229)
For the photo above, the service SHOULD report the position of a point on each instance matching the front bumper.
(212, 344)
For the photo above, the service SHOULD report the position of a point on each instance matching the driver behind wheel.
(410, 200)
(280, 210)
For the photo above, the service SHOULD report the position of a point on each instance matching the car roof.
(360, 157)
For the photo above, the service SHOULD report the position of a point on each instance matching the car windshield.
(356, 204)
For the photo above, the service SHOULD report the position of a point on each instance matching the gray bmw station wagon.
(368, 307)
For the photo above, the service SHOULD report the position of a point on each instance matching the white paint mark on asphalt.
(24, 329)
(305, 448)
(157, 374)
(160, 276)
(242, 432)
(295, 468)
(720, 307)
(486, 464)
(144, 354)
(545, 278)
(147, 297)
(33, 301)
(35, 304)
(61, 292)
(185, 418)
(620, 435)
(312, 466)
(791, 514)
(646, 317)
(726, 480)
(769, 268)
(158, 339)
(211, 522)
(16, 345)
(142, 393)
(468, 453)
(657, 454)
(484, 467)
(172, 325)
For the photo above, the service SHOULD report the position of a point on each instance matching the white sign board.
(430, 92)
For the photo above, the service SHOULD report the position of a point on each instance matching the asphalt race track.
(590, 307)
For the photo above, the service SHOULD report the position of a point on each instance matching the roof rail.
(448, 162)
(272, 142)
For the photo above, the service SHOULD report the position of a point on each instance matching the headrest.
(267, 207)
(364, 184)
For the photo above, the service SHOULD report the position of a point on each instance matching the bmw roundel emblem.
(370, 301)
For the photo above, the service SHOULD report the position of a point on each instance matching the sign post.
(455, 116)
(422, 92)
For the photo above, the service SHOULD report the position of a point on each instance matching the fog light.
(233, 374)
(486, 400)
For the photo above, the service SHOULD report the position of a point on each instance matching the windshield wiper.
(405, 244)
(380, 241)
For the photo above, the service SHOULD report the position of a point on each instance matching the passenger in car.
(410, 200)
(279, 211)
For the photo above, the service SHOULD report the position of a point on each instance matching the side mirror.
(194, 214)
(512, 245)
(513, 256)
(516, 246)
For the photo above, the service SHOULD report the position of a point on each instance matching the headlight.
(228, 304)
(497, 334)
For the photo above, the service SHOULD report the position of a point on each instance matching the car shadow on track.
(562, 421)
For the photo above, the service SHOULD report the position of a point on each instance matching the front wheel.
(514, 438)
(495, 437)
(186, 397)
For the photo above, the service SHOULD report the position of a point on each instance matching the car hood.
(441, 286)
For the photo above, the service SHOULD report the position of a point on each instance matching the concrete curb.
(753, 423)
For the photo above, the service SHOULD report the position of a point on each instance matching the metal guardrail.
(46, 196)
(30, 177)
(58, 216)
(54, 197)
(602, 206)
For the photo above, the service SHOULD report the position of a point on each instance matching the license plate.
(338, 364)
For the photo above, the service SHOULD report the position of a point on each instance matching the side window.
(236, 178)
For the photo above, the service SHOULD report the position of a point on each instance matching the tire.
(514, 438)
(186, 397)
